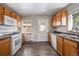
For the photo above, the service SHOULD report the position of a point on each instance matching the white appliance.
(9, 21)
(16, 41)
(54, 41)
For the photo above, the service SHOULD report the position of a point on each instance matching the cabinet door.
(13, 15)
(64, 17)
(1, 19)
(60, 45)
(19, 21)
(1, 15)
(69, 50)
(49, 38)
(5, 48)
(7, 12)
(1, 10)
(58, 19)
(53, 22)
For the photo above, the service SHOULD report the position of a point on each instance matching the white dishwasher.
(54, 41)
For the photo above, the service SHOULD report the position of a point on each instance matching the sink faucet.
(76, 28)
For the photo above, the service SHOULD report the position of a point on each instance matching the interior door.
(43, 30)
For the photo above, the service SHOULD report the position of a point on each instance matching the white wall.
(36, 34)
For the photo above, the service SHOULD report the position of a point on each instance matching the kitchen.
(39, 29)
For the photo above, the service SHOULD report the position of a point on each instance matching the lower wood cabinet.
(5, 48)
(49, 37)
(66, 47)
(60, 45)
(70, 50)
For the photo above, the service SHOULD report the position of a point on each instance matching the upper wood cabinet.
(13, 15)
(10, 14)
(19, 21)
(59, 19)
(53, 21)
(1, 10)
(1, 15)
(64, 17)
(7, 12)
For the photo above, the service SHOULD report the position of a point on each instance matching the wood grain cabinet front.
(53, 21)
(1, 10)
(70, 48)
(13, 15)
(1, 15)
(64, 17)
(7, 12)
(58, 19)
(5, 48)
(49, 38)
(60, 45)
(66, 47)
(19, 21)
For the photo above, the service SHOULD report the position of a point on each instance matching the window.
(73, 21)
(42, 27)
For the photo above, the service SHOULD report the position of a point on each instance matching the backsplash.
(62, 29)
(7, 29)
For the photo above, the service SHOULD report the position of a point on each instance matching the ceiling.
(32, 9)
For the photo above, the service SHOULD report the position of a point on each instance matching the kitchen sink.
(75, 37)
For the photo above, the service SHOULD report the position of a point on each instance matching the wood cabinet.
(19, 21)
(59, 19)
(1, 10)
(49, 37)
(70, 48)
(53, 21)
(66, 47)
(13, 15)
(64, 17)
(7, 12)
(1, 15)
(60, 45)
(5, 48)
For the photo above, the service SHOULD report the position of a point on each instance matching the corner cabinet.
(59, 19)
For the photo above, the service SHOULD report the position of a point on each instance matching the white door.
(43, 30)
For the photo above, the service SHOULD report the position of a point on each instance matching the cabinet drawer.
(71, 43)
(4, 41)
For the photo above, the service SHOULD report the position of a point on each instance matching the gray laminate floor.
(36, 49)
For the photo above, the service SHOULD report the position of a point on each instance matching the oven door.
(17, 42)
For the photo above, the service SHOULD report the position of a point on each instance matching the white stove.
(16, 40)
